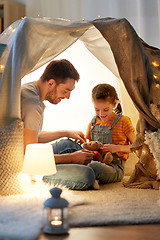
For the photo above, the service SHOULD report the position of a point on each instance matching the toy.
(98, 156)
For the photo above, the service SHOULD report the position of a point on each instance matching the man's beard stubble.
(52, 96)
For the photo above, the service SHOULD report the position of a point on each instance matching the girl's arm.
(119, 148)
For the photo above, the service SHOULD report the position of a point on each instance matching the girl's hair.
(106, 92)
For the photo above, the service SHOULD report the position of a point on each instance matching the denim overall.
(115, 170)
(103, 134)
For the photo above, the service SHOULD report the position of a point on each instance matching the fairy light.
(1, 68)
(155, 76)
(155, 64)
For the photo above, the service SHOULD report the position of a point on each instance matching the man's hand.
(82, 157)
(77, 135)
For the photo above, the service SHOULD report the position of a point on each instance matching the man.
(55, 84)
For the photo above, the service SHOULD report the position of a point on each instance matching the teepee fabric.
(33, 42)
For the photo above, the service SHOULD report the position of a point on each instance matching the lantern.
(55, 213)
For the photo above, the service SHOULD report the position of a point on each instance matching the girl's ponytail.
(118, 109)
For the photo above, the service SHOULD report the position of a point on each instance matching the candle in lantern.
(56, 222)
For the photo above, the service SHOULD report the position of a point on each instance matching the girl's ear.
(115, 103)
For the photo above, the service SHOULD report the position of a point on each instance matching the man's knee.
(65, 146)
(73, 176)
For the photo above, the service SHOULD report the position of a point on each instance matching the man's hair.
(60, 70)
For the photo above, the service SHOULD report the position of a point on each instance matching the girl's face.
(103, 108)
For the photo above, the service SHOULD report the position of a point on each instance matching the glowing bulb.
(155, 64)
(1, 67)
(155, 76)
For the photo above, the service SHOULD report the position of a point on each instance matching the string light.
(1, 68)
(155, 64)
(155, 76)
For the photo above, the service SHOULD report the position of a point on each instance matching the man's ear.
(51, 83)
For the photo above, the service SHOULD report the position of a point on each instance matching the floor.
(129, 232)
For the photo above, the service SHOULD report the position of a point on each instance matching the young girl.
(109, 127)
(112, 129)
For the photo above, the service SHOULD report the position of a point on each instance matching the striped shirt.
(120, 132)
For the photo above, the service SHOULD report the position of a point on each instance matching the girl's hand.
(109, 148)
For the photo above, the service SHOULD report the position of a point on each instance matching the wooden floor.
(130, 232)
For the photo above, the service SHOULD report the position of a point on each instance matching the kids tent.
(30, 43)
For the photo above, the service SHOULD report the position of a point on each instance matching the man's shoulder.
(30, 95)
(30, 89)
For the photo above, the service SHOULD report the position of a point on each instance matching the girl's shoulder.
(125, 118)
(127, 123)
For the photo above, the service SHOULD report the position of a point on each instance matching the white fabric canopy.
(32, 43)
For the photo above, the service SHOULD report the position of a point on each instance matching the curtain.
(144, 15)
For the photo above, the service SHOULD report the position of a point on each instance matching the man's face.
(60, 91)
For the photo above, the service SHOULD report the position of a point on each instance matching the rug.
(21, 215)
(114, 204)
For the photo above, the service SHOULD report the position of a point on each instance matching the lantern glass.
(55, 220)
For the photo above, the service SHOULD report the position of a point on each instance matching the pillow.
(11, 158)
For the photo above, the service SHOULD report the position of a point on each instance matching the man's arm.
(78, 157)
(45, 136)
(29, 136)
